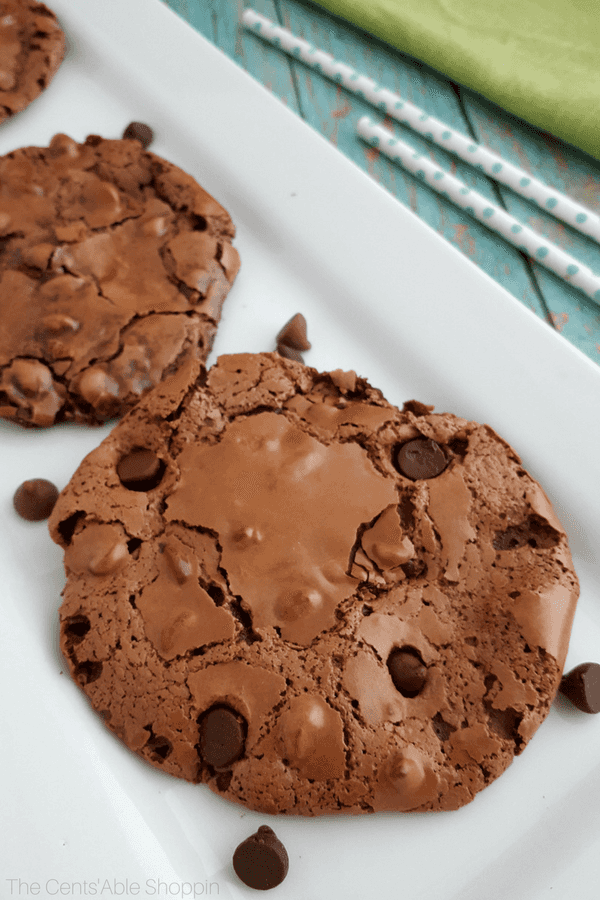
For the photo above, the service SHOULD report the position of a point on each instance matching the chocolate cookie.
(310, 600)
(114, 266)
(32, 47)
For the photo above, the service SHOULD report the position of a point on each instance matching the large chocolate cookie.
(285, 587)
(32, 47)
(114, 266)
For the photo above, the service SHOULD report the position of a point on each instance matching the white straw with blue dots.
(493, 216)
(392, 104)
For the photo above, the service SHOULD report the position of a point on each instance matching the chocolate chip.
(293, 334)
(222, 737)
(582, 687)
(140, 470)
(289, 353)
(459, 446)
(34, 500)
(421, 458)
(261, 861)
(407, 670)
(414, 568)
(137, 131)
(417, 408)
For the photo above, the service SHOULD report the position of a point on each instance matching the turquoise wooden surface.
(333, 112)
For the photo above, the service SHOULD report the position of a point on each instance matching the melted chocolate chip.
(459, 446)
(421, 458)
(407, 670)
(261, 861)
(140, 470)
(222, 737)
(414, 568)
(139, 132)
(582, 687)
(34, 500)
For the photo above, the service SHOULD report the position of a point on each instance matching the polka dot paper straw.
(392, 104)
(496, 218)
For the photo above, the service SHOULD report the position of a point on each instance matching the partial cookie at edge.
(114, 269)
(32, 47)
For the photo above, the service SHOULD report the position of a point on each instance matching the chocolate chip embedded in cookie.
(114, 268)
(222, 737)
(141, 132)
(265, 594)
(32, 47)
(421, 458)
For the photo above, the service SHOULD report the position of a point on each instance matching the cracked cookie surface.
(114, 266)
(283, 586)
(32, 47)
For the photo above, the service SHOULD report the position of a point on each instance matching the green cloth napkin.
(538, 59)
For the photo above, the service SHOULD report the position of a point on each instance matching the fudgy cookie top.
(32, 47)
(114, 267)
(281, 585)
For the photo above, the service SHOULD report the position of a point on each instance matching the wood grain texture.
(419, 84)
(333, 112)
(568, 170)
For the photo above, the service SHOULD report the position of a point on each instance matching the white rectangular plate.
(386, 296)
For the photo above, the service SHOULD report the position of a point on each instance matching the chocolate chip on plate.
(293, 333)
(582, 687)
(222, 737)
(34, 500)
(407, 670)
(421, 458)
(261, 861)
(289, 352)
(138, 131)
(292, 339)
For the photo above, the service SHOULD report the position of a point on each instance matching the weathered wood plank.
(570, 171)
(334, 112)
